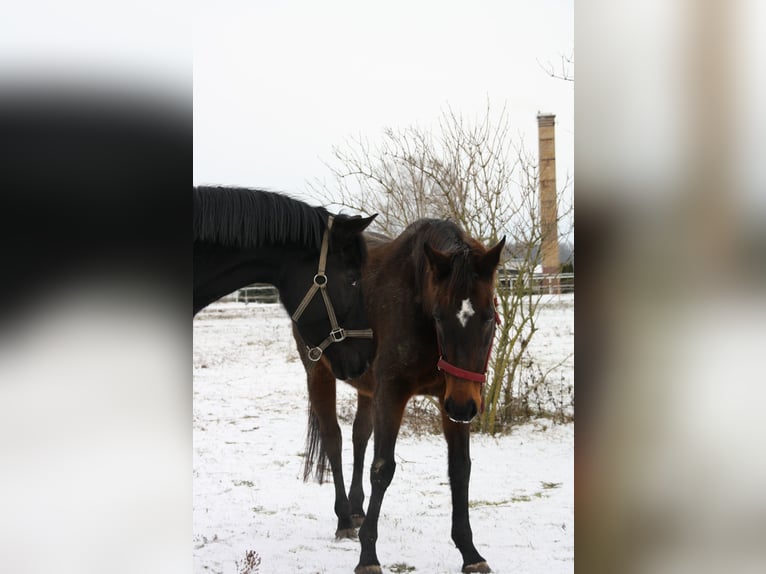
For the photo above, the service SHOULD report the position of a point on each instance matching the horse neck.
(219, 269)
(390, 273)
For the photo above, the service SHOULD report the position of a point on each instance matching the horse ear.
(488, 262)
(347, 228)
(440, 262)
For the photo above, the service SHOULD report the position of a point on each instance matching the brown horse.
(430, 300)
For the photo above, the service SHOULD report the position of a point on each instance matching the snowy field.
(250, 411)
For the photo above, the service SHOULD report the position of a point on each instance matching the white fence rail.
(538, 283)
(258, 293)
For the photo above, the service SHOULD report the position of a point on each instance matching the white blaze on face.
(466, 312)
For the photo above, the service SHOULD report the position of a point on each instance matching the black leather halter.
(337, 333)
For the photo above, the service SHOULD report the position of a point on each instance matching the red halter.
(447, 367)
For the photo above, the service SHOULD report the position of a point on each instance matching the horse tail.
(316, 461)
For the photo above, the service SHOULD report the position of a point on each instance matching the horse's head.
(324, 296)
(459, 293)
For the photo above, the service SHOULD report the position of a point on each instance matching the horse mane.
(243, 217)
(447, 237)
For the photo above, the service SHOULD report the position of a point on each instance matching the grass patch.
(480, 503)
(401, 567)
(262, 510)
(250, 565)
(513, 499)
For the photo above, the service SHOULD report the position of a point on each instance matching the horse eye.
(354, 282)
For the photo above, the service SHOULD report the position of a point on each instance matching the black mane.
(242, 217)
(440, 234)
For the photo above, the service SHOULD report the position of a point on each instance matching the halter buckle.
(338, 335)
(315, 353)
(320, 279)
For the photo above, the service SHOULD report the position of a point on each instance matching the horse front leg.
(361, 436)
(324, 429)
(458, 448)
(388, 411)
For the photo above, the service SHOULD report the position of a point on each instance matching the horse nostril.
(339, 370)
(473, 410)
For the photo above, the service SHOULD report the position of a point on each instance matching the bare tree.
(477, 175)
(563, 72)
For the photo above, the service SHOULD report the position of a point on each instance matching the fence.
(258, 293)
(539, 282)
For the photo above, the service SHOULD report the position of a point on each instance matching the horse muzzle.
(459, 412)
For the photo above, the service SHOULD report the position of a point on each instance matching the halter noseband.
(337, 333)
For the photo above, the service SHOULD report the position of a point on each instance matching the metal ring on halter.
(338, 335)
(320, 276)
(315, 354)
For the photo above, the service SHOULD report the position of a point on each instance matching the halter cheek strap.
(337, 333)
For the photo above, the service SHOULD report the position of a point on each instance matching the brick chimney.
(548, 206)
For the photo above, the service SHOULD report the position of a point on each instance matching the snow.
(250, 411)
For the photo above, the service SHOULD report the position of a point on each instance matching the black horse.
(244, 236)
(430, 300)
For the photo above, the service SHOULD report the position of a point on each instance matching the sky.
(278, 84)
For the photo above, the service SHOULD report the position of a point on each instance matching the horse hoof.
(373, 569)
(481, 567)
(345, 533)
(357, 520)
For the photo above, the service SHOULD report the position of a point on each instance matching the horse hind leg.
(324, 444)
(361, 437)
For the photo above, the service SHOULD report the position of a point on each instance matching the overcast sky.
(277, 84)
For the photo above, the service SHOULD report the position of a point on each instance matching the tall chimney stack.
(548, 206)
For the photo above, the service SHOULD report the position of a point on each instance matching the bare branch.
(564, 71)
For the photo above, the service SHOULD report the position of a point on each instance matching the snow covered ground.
(250, 415)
